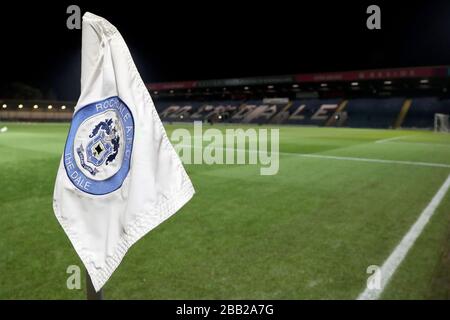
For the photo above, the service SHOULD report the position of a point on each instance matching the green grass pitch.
(309, 232)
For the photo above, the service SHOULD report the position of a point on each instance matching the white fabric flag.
(119, 176)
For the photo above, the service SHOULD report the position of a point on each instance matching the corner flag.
(119, 176)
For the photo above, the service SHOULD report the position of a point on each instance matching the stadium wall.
(36, 110)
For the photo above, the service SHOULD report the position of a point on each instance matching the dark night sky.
(181, 40)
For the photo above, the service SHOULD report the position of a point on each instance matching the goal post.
(441, 122)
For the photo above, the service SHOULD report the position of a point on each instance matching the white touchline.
(395, 259)
(320, 156)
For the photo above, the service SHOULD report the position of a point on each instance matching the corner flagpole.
(90, 290)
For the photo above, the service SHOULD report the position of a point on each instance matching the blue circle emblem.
(98, 149)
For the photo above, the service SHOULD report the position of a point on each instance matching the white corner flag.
(119, 176)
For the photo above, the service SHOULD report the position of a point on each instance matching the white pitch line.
(412, 163)
(395, 259)
(427, 144)
(320, 156)
(390, 139)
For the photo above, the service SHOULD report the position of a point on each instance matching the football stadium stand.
(385, 98)
(375, 113)
(423, 109)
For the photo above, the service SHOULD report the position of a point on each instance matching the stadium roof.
(346, 76)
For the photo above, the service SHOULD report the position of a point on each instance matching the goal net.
(441, 123)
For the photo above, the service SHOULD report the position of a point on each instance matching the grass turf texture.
(308, 232)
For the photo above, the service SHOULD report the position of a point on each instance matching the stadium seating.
(373, 113)
(311, 111)
(256, 111)
(421, 113)
(359, 112)
(192, 111)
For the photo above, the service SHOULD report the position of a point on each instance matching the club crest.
(103, 147)
(98, 149)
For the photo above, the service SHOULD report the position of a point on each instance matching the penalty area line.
(329, 157)
(411, 163)
(390, 139)
(398, 255)
(395, 138)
